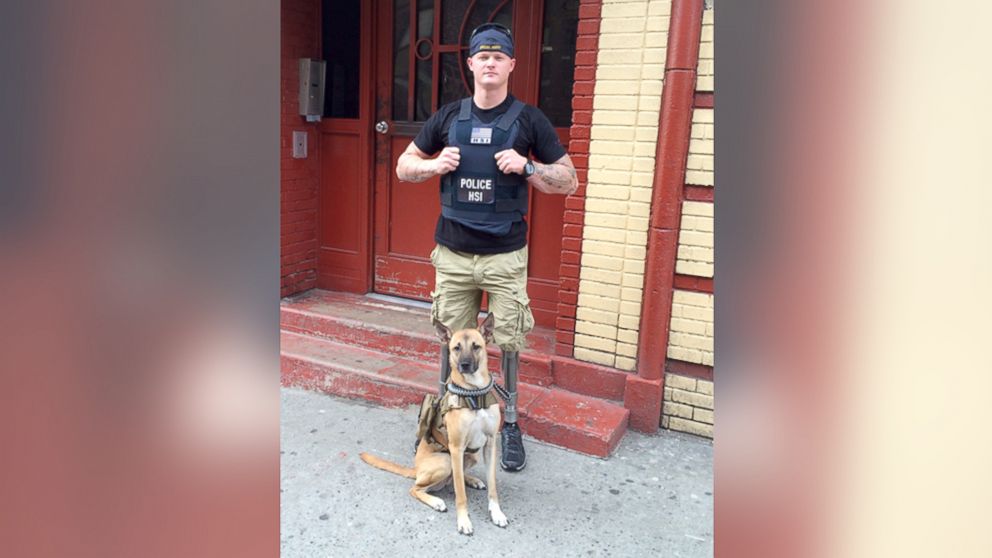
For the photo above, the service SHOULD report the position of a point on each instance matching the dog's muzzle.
(467, 366)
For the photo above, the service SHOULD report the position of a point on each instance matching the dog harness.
(477, 194)
(433, 408)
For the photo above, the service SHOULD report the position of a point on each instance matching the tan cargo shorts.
(460, 279)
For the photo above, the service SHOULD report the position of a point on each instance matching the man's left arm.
(555, 178)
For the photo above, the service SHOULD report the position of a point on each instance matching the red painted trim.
(583, 85)
(692, 192)
(693, 283)
(672, 150)
(703, 100)
(690, 369)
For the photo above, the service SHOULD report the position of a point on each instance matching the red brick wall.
(586, 46)
(299, 178)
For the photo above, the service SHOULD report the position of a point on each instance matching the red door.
(345, 148)
(414, 76)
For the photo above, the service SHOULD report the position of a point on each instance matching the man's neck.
(487, 99)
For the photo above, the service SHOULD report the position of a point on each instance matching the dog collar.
(465, 392)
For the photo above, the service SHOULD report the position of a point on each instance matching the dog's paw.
(475, 483)
(497, 515)
(465, 526)
(439, 506)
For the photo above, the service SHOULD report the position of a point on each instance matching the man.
(484, 143)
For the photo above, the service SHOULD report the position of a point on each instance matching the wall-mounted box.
(312, 73)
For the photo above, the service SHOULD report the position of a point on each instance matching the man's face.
(491, 69)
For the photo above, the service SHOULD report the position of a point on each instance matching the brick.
(705, 387)
(629, 322)
(687, 355)
(657, 23)
(655, 57)
(702, 116)
(697, 269)
(625, 363)
(606, 147)
(597, 330)
(601, 275)
(633, 266)
(692, 299)
(625, 9)
(690, 426)
(667, 394)
(598, 316)
(614, 117)
(702, 415)
(626, 349)
(622, 25)
(676, 381)
(630, 308)
(691, 398)
(598, 302)
(605, 234)
(600, 289)
(707, 359)
(618, 87)
(676, 409)
(617, 133)
(661, 8)
(609, 191)
(618, 72)
(603, 248)
(627, 336)
(596, 357)
(699, 178)
(619, 56)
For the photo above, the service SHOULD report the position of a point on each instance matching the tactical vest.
(430, 422)
(477, 193)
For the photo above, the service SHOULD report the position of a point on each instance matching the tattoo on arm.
(412, 168)
(556, 178)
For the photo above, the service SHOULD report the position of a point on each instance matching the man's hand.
(415, 166)
(447, 160)
(509, 161)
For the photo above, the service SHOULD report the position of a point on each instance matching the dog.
(468, 430)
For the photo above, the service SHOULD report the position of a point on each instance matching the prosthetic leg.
(513, 456)
(445, 369)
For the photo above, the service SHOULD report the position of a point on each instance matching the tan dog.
(468, 430)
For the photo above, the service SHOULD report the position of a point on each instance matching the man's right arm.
(415, 166)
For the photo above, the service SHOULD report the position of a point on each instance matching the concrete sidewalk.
(653, 497)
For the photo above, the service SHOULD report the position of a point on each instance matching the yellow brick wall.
(688, 405)
(695, 255)
(626, 106)
(690, 336)
(699, 166)
(704, 69)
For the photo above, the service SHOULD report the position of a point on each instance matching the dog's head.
(467, 350)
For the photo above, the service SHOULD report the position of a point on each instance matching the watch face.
(529, 168)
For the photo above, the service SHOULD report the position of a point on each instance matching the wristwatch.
(529, 168)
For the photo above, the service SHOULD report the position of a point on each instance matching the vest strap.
(465, 112)
(510, 116)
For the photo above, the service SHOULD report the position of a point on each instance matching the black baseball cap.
(490, 37)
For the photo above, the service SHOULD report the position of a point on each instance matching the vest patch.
(482, 136)
(476, 190)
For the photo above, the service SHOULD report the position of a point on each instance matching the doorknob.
(381, 126)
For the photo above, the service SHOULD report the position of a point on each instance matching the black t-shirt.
(536, 136)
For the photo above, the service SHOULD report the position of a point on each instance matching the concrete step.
(578, 422)
(397, 328)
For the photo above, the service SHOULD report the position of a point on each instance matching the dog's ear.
(487, 328)
(442, 331)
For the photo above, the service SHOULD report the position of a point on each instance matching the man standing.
(484, 143)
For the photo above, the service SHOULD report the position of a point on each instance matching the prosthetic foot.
(513, 457)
